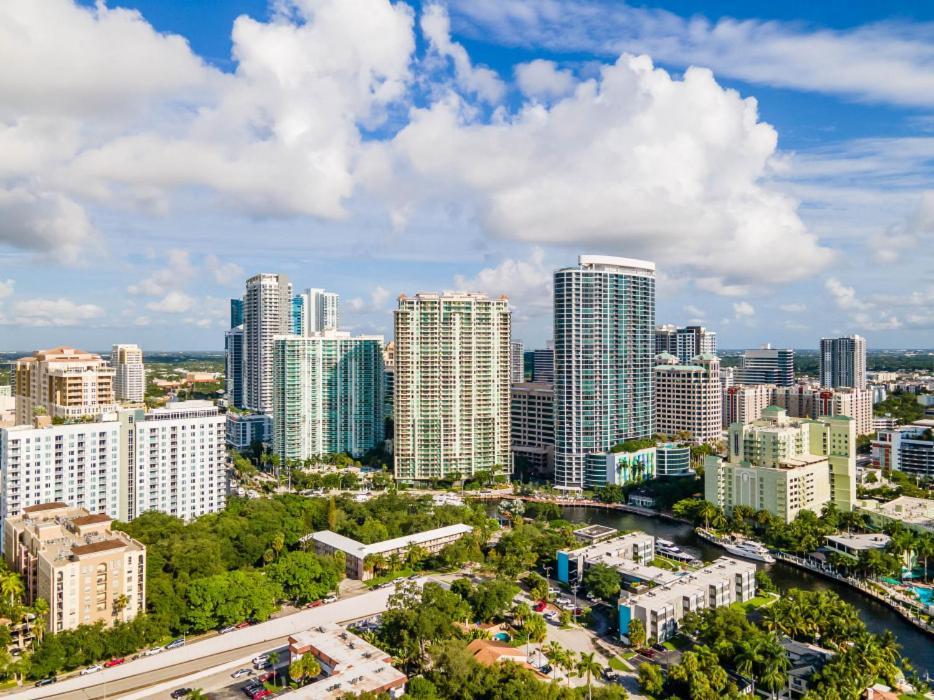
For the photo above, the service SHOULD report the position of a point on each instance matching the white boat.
(667, 548)
(739, 546)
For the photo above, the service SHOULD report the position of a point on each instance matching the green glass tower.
(328, 394)
(604, 323)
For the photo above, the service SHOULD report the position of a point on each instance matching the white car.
(153, 651)
(261, 659)
(228, 629)
(240, 673)
(330, 599)
(91, 669)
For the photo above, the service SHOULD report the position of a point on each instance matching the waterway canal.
(916, 645)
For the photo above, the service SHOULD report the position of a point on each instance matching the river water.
(917, 646)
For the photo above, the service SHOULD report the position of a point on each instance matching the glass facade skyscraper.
(328, 394)
(604, 323)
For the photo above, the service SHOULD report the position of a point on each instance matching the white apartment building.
(688, 398)
(77, 464)
(243, 429)
(722, 582)
(744, 403)
(170, 459)
(315, 311)
(174, 460)
(267, 307)
(63, 383)
(517, 361)
(130, 377)
(452, 385)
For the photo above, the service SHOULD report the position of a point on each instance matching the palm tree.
(41, 610)
(567, 660)
(553, 651)
(11, 585)
(587, 666)
(748, 659)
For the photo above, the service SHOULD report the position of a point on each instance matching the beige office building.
(785, 465)
(812, 401)
(71, 558)
(452, 385)
(130, 377)
(688, 397)
(533, 425)
(64, 383)
(744, 403)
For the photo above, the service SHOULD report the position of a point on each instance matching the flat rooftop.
(361, 667)
(860, 541)
(593, 533)
(908, 509)
(360, 550)
(55, 530)
(608, 548)
(714, 573)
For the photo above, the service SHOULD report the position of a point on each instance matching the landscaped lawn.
(760, 601)
(377, 580)
(617, 664)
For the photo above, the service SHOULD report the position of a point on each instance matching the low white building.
(632, 550)
(723, 582)
(356, 553)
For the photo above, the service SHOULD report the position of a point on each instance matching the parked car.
(540, 606)
(315, 604)
(114, 662)
(232, 628)
(176, 643)
(153, 651)
(243, 625)
(91, 669)
(266, 677)
(546, 669)
(647, 652)
(241, 672)
(261, 659)
(333, 598)
(46, 681)
(181, 693)
(659, 647)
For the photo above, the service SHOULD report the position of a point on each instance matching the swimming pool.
(501, 637)
(925, 595)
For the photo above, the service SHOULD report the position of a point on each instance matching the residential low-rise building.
(351, 665)
(87, 572)
(360, 557)
(853, 544)
(914, 513)
(634, 548)
(660, 609)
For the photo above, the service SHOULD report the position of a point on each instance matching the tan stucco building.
(72, 559)
(65, 383)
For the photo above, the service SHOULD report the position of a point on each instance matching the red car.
(113, 662)
(243, 625)
(266, 677)
(260, 694)
(315, 604)
(540, 606)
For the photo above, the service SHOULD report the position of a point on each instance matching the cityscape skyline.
(806, 233)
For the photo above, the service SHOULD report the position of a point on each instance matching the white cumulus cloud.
(543, 79)
(52, 312)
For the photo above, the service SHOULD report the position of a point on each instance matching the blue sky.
(774, 160)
